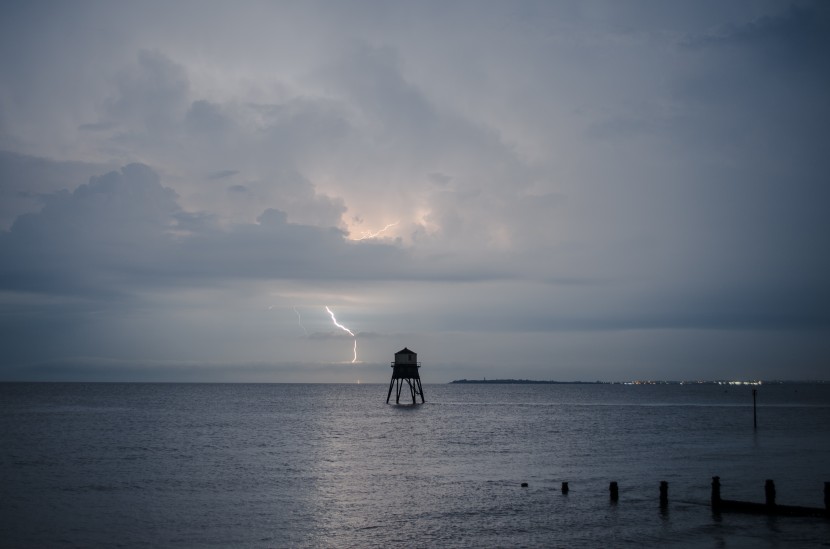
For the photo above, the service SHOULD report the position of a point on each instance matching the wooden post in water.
(827, 497)
(615, 493)
(664, 494)
(769, 493)
(754, 411)
(565, 488)
(716, 493)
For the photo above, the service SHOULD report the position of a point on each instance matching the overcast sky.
(549, 190)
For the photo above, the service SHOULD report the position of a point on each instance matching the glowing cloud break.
(375, 234)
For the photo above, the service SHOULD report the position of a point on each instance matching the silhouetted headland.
(639, 382)
(528, 381)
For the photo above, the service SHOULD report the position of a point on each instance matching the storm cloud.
(551, 190)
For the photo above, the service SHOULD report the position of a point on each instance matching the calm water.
(168, 465)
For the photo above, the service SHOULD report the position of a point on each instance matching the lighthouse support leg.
(420, 389)
(389, 394)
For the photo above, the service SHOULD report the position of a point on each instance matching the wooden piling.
(827, 497)
(754, 411)
(614, 490)
(565, 487)
(769, 493)
(716, 493)
(664, 493)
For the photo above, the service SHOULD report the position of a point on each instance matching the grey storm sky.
(551, 190)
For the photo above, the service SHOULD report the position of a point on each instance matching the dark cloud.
(26, 181)
(542, 184)
(124, 230)
(120, 227)
(795, 40)
(223, 174)
(80, 239)
(775, 67)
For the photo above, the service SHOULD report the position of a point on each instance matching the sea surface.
(293, 465)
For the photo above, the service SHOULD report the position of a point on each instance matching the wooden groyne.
(720, 505)
(769, 507)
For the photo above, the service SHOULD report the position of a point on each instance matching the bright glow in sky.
(551, 190)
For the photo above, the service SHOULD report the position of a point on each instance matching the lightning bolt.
(345, 330)
(300, 320)
(375, 234)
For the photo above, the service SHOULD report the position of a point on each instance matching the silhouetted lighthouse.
(405, 368)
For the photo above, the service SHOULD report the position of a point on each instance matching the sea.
(476, 465)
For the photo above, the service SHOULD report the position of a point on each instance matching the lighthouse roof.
(405, 351)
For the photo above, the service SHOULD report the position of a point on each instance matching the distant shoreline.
(551, 382)
(529, 382)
